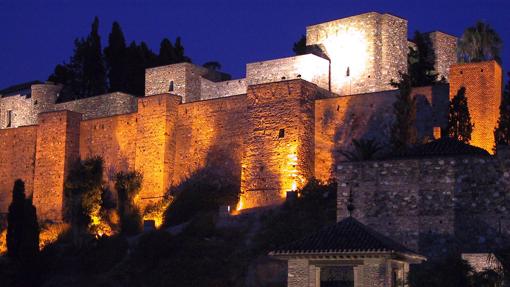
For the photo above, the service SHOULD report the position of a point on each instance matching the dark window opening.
(299, 76)
(171, 87)
(461, 72)
(9, 119)
(337, 108)
(35, 102)
(283, 78)
(348, 72)
(481, 70)
(281, 133)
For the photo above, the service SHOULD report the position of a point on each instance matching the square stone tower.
(366, 51)
(483, 83)
(444, 48)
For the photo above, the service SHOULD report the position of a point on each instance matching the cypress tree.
(167, 53)
(403, 132)
(94, 71)
(459, 120)
(421, 62)
(299, 47)
(115, 56)
(502, 132)
(85, 74)
(179, 52)
(22, 229)
(140, 57)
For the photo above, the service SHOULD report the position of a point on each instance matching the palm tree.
(364, 149)
(479, 43)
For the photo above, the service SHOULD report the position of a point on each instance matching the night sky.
(37, 34)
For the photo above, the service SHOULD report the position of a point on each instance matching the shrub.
(128, 186)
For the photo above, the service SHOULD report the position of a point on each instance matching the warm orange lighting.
(50, 233)
(3, 242)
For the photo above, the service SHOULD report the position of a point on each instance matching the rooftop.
(442, 147)
(345, 237)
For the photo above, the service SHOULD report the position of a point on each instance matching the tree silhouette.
(420, 61)
(299, 47)
(116, 60)
(85, 74)
(212, 65)
(459, 120)
(128, 186)
(22, 229)
(403, 131)
(364, 149)
(502, 132)
(480, 43)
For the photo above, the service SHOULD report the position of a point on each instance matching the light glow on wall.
(348, 51)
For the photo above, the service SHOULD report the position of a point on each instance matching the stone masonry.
(268, 133)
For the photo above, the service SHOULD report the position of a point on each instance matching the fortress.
(286, 122)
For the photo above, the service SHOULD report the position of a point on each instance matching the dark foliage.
(85, 74)
(201, 193)
(212, 65)
(22, 228)
(121, 68)
(83, 193)
(459, 120)
(445, 272)
(300, 46)
(364, 149)
(128, 186)
(403, 131)
(116, 59)
(312, 210)
(502, 132)
(421, 62)
(480, 43)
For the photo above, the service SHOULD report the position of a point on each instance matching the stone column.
(374, 274)
(298, 274)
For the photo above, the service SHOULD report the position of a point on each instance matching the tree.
(480, 43)
(85, 75)
(212, 65)
(167, 53)
(115, 57)
(300, 46)
(83, 191)
(364, 149)
(502, 132)
(128, 186)
(23, 229)
(140, 58)
(403, 131)
(459, 120)
(421, 62)
(179, 52)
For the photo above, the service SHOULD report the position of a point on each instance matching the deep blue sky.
(37, 34)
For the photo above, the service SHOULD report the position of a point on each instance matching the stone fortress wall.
(432, 205)
(268, 133)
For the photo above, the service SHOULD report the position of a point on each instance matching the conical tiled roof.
(346, 236)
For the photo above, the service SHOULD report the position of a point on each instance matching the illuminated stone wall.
(155, 144)
(366, 51)
(340, 120)
(279, 153)
(431, 205)
(308, 67)
(210, 136)
(57, 148)
(114, 140)
(444, 55)
(483, 83)
(17, 150)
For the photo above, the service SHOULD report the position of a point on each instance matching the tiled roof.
(442, 147)
(346, 236)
